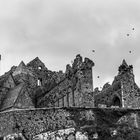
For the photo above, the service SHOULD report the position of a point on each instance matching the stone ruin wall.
(130, 90)
(72, 88)
(33, 122)
(75, 89)
(30, 123)
(57, 89)
(123, 89)
(105, 97)
(131, 94)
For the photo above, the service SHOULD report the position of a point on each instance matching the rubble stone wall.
(75, 89)
(32, 122)
(107, 95)
(131, 95)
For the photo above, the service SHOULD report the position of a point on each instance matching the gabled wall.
(9, 83)
(123, 90)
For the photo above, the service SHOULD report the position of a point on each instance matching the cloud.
(58, 30)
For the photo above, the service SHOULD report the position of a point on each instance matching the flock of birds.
(129, 51)
(132, 29)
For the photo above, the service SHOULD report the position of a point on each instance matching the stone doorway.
(116, 101)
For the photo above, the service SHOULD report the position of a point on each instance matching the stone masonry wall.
(123, 92)
(30, 123)
(106, 96)
(130, 91)
(33, 122)
(131, 95)
(75, 89)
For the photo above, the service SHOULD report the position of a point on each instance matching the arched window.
(39, 82)
(116, 101)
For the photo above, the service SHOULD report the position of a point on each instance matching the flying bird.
(93, 50)
(127, 34)
(98, 76)
(132, 28)
(129, 51)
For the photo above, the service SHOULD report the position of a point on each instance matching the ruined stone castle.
(34, 86)
(123, 92)
(29, 89)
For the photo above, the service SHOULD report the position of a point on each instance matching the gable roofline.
(124, 63)
(33, 62)
(13, 78)
(25, 88)
(11, 97)
(35, 59)
(21, 64)
(5, 77)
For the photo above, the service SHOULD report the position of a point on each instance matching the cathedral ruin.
(29, 90)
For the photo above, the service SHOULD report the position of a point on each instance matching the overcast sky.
(57, 30)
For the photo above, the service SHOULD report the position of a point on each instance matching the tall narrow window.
(39, 82)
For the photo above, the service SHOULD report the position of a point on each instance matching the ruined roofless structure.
(34, 86)
(123, 92)
(34, 99)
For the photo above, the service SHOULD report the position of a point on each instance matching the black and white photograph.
(69, 70)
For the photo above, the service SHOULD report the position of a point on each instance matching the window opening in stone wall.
(39, 82)
(39, 67)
